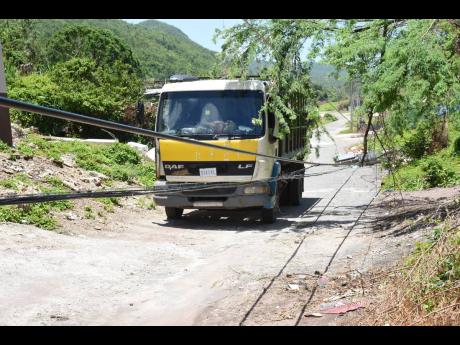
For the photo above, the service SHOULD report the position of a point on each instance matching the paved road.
(208, 268)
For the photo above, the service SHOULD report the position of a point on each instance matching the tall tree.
(277, 43)
(82, 41)
(20, 46)
(403, 66)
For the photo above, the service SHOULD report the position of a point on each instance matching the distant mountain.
(163, 27)
(320, 74)
(162, 49)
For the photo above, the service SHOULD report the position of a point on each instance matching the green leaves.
(100, 46)
(80, 86)
(19, 41)
(437, 174)
(276, 44)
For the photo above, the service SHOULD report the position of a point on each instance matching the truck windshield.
(232, 113)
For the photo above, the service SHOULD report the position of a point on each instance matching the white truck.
(226, 113)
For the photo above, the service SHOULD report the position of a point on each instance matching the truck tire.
(268, 215)
(284, 195)
(173, 212)
(295, 192)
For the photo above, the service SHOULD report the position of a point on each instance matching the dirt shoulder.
(37, 165)
(358, 294)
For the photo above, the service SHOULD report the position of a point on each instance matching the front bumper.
(229, 197)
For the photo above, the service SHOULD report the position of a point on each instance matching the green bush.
(36, 214)
(79, 86)
(123, 154)
(437, 174)
(328, 117)
(4, 147)
(456, 146)
(41, 90)
(416, 145)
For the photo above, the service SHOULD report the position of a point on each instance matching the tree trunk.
(369, 123)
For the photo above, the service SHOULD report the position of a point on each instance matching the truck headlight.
(256, 190)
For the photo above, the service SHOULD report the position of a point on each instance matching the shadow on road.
(241, 220)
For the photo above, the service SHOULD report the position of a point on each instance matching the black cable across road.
(93, 121)
(74, 117)
(9, 199)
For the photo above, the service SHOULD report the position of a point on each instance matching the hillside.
(161, 49)
(320, 75)
(38, 165)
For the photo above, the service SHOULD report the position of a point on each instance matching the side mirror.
(271, 128)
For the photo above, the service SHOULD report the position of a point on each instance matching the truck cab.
(224, 113)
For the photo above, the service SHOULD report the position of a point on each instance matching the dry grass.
(425, 289)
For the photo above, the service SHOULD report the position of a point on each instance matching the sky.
(199, 30)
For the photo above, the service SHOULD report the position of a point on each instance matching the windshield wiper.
(237, 136)
(195, 136)
(217, 136)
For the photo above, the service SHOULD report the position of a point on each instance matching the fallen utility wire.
(11, 199)
(65, 115)
(93, 121)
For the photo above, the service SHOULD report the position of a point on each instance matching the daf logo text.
(174, 166)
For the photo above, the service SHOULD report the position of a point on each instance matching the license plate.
(208, 204)
(206, 172)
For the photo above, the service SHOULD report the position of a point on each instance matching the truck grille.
(211, 191)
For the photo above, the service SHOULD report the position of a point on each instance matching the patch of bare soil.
(406, 212)
(75, 221)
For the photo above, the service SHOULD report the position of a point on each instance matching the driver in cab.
(211, 118)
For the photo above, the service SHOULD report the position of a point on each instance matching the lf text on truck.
(223, 112)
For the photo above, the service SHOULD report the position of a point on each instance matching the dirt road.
(208, 268)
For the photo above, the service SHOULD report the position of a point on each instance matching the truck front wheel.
(173, 212)
(268, 215)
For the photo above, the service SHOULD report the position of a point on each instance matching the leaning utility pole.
(5, 122)
(352, 104)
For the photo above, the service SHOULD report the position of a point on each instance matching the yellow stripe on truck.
(174, 151)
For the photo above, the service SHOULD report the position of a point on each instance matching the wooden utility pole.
(352, 104)
(5, 122)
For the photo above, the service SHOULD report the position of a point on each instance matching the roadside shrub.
(328, 117)
(456, 146)
(36, 89)
(80, 86)
(36, 214)
(417, 143)
(409, 178)
(436, 174)
(4, 147)
(123, 154)
(427, 291)
(117, 161)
